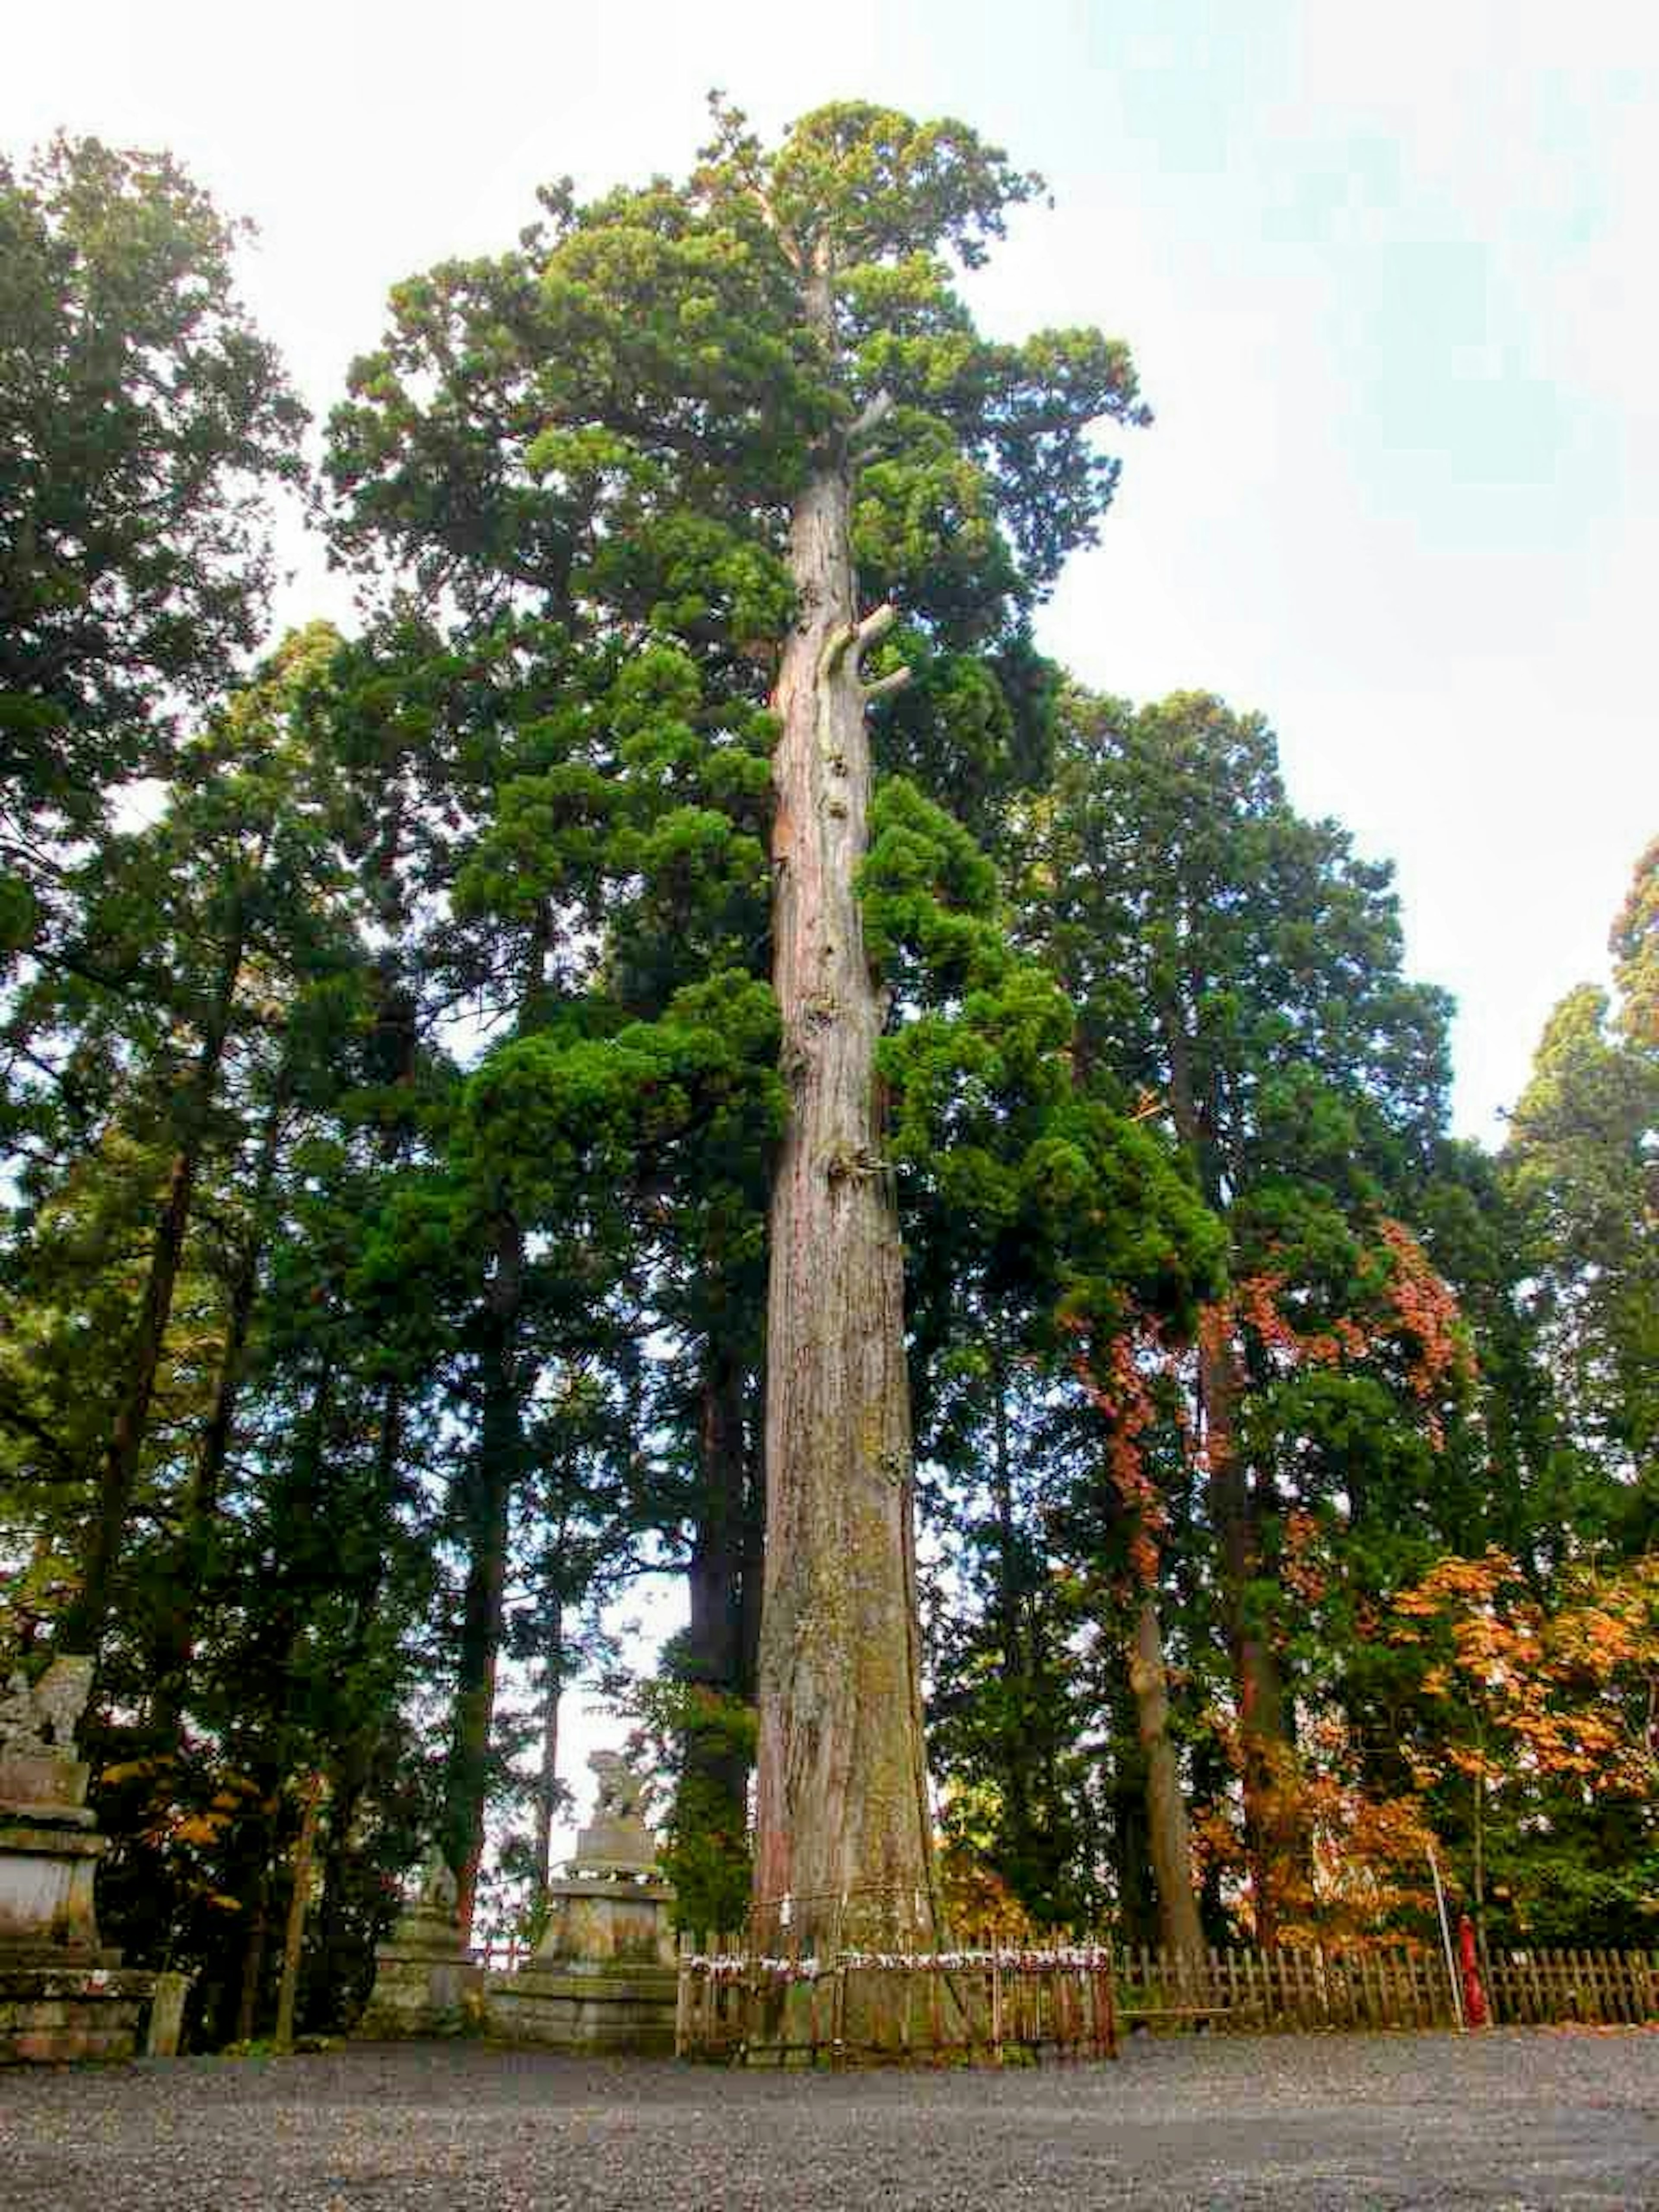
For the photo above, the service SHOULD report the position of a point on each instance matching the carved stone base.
(48, 1864)
(603, 1975)
(610, 2010)
(425, 1983)
(595, 1923)
(52, 2015)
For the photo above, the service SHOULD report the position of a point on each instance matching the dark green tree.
(1237, 974)
(209, 944)
(1582, 1167)
(143, 423)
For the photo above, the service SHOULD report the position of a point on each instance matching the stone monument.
(426, 1980)
(62, 1995)
(603, 1977)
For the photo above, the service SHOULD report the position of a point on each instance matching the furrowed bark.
(841, 1792)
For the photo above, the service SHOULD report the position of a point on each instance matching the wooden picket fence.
(1066, 2000)
(1541, 1988)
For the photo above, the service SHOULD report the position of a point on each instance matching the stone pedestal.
(62, 1995)
(603, 1975)
(52, 2015)
(426, 1980)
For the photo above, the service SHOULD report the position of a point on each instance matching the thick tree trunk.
(486, 1503)
(1168, 1834)
(82, 1624)
(1264, 1743)
(842, 1806)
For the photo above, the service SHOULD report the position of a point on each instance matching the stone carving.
(426, 1980)
(621, 1795)
(42, 1718)
(603, 1975)
(616, 1841)
(439, 1895)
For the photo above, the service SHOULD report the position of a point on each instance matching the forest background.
(1490, 484)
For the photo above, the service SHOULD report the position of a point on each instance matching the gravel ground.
(1515, 2119)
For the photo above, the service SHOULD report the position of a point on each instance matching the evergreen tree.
(1237, 972)
(142, 420)
(691, 410)
(1581, 1165)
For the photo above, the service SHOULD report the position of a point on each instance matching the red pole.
(1474, 1998)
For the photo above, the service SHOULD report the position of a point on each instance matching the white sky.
(1388, 275)
(1389, 279)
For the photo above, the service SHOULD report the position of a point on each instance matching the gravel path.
(1524, 2121)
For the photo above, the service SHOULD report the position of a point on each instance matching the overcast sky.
(1389, 276)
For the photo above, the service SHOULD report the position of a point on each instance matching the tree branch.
(876, 624)
(884, 686)
(869, 419)
(16, 1415)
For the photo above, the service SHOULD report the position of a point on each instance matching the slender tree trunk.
(489, 1478)
(84, 1622)
(293, 1934)
(176, 1636)
(842, 1790)
(715, 1769)
(1019, 1662)
(1264, 1743)
(354, 1757)
(1136, 1878)
(1270, 1823)
(253, 1960)
(546, 1779)
(1168, 1834)
(753, 1541)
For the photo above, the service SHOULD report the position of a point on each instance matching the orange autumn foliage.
(1569, 1693)
(1408, 1307)
(1116, 1382)
(1360, 1858)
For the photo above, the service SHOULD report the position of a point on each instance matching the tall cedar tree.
(1238, 970)
(142, 420)
(679, 401)
(223, 921)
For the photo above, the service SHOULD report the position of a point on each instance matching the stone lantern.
(603, 1977)
(62, 1995)
(426, 1980)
